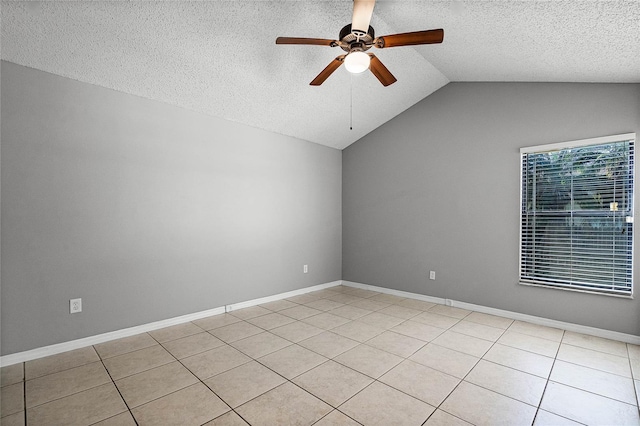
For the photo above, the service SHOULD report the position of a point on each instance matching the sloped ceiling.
(220, 57)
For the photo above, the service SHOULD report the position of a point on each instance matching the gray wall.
(437, 188)
(147, 211)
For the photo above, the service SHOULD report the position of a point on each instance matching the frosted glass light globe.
(357, 62)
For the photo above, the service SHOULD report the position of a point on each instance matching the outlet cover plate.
(75, 306)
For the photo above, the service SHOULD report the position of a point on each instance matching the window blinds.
(576, 223)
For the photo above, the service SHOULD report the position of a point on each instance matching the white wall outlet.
(305, 268)
(75, 306)
(448, 302)
(432, 275)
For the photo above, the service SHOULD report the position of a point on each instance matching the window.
(576, 215)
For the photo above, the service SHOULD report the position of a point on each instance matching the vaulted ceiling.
(220, 57)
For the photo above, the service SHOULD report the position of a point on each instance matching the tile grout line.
(549, 378)
(116, 386)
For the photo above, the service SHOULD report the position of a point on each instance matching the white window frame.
(558, 147)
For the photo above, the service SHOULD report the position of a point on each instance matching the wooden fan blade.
(302, 40)
(362, 11)
(380, 71)
(334, 65)
(409, 39)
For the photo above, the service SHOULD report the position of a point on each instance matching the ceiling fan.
(358, 37)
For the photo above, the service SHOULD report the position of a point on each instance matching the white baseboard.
(126, 332)
(577, 328)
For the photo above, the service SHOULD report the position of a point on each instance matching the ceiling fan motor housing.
(356, 40)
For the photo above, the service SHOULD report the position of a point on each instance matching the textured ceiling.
(220, 57)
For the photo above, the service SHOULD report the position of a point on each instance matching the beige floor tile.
(11, 374)
(380, 320)
(449, 311)
(278, 305)
(536, 330)
(595, 343)
(595, 381)
(401, 312)
(124, 345)
(216, 321)
(446, 360)
(332, 382)
(323, 304)
(336, 418)
(326, 321)
(83, 408)
(507, 381)
(490, 320)
(209, 363)
(637, 384)
(417, 330)
(359, 331)
(16, 419)
(360, 292)
(175, 332)
(60, 362)
(292, 361)
(350, 312)
(370, 305)
(387, 298)
(367, 360)
(594, 359)
(285, 405)
(244, 383)
(261, 344)
(12, 399)
(192, 345)
(250, 312)
(441, 418)
(297, 331)
(152, 384)
(480, 331)
(531, 363)
(480, 406)
(328, 344)
(300, 312)
(420, 305)
(545, 418)
(635, 367)
(122, 419)
(270, 321)
(634, 351)
(344, 298)
(381, 405)
(435, 320)
(462, 343)
(135, 362)
(397, 344)
(529, 343)
(228, 419)
(586, 407)
(193, 405)
(424, 383)
(67, 382)
(236, 331)
(325, 293)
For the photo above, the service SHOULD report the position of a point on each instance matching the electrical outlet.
(305, 269)
(448, 302)
(432, 275)
(75, 306)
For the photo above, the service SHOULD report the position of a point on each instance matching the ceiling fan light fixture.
(357, 62)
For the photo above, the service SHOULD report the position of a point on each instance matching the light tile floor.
(340, 356)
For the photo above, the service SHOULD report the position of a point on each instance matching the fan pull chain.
(351, 104)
